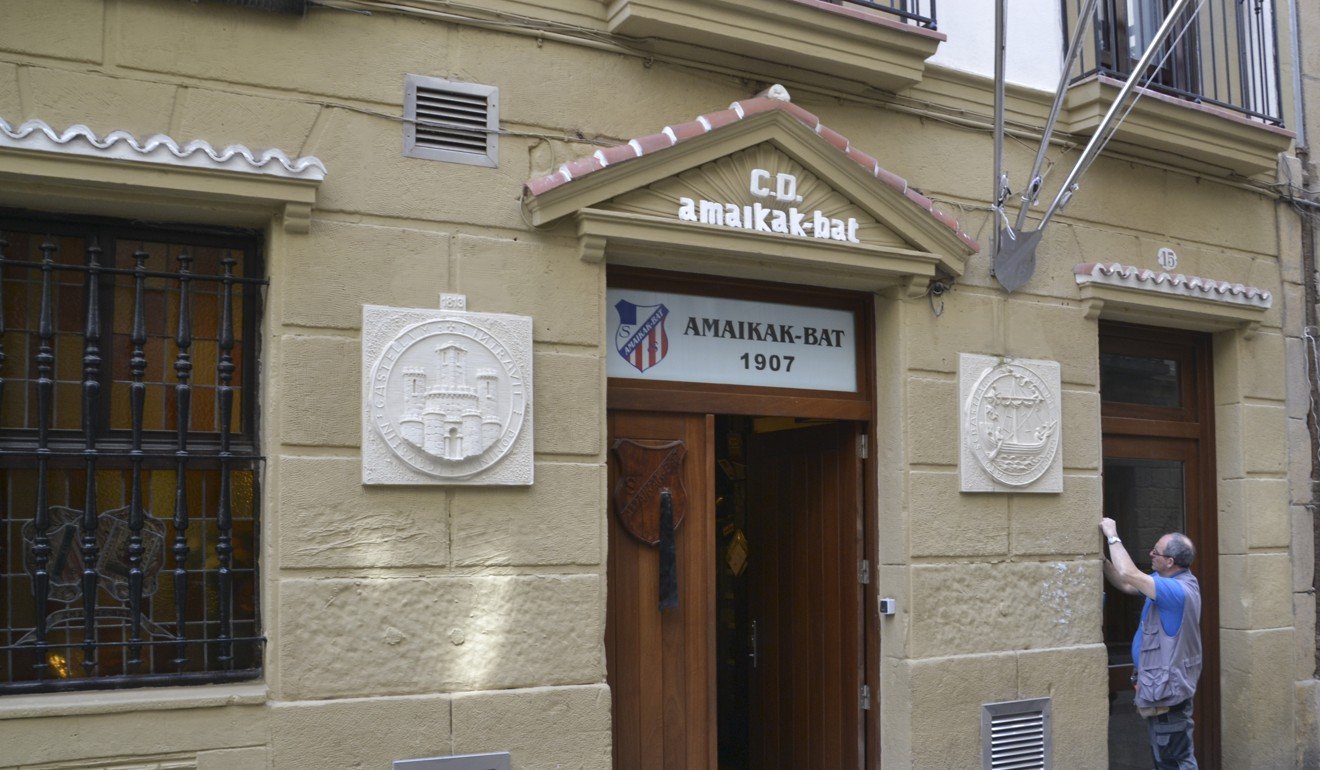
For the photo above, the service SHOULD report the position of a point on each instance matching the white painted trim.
(1176, 284)
(87, 703)
(158, 149)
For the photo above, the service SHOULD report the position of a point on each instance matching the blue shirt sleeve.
(1169, 597)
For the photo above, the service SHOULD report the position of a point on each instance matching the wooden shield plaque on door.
(660, 660)
(647, 468)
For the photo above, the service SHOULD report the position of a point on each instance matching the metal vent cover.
(297, 7)
(449, 121)
(497, 761)
(1015, 735)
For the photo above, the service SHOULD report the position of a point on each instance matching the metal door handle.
(753, 653)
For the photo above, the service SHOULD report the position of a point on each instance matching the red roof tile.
(864, 160)
(645, 145)
(685, 131)
(581, 167)
(805, 118)
(893, 180)
(775, 98)
(720, 119)
(833, 137)
(616, 154)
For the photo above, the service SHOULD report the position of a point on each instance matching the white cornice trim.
(1135, 295)
(158, 149)
(1141, 279)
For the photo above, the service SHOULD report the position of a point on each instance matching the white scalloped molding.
(1126, 293)
(158, 148)
(38, 153)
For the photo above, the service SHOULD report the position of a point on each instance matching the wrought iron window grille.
(1227, 57)
(129, 464)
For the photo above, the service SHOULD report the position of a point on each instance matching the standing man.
(1167, 646)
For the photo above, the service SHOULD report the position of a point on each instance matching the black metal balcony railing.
(919, 13)
(1228, 56)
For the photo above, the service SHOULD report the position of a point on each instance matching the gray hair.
(1180, 549)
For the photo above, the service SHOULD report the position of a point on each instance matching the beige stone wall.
(1294, 227)
(990, 579)
(401, 622)
(415, 622)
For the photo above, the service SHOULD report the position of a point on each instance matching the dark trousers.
(1171, 738)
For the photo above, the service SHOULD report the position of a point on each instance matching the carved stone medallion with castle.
(1009, 424)
(447, 396)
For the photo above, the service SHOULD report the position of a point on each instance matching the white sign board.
(684, 338)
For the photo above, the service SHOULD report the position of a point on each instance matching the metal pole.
(999, 186)
(1098, 139)
(1074, 48)
(1299, 122)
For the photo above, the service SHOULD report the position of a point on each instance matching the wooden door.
(660, 663)
(805, 598)
(1156, 407)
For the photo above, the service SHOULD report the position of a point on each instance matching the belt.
(1155, 711)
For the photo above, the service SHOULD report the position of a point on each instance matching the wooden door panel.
(660, 663)
(805, 540)
(1157, 396)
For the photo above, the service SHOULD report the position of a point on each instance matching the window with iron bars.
(1225, 55)
(129, 465)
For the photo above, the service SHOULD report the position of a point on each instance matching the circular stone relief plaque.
(1012, 424)
(448, 397)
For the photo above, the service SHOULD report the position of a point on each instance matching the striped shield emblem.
(641, 337)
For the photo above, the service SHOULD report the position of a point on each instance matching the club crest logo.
(646, 469)
(641, 338)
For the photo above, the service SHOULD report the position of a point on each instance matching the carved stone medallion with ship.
(1010, 425)
(447, 397)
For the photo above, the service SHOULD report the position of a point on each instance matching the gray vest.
(1171, 665)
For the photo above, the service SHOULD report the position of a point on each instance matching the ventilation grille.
(454, 122)
(498, 761)
(298, 7)
(1015, 735)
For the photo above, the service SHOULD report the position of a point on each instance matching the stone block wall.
(420, 621)
(989, 581)
(401, 622)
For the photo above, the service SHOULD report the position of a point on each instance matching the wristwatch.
(1113, 539)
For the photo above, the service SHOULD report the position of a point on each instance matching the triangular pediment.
(755, 189)
(761, 188)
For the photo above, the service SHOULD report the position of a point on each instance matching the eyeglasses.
(1154, 552)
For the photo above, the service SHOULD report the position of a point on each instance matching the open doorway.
(762, 662)
(789, 600)
(1157, 416)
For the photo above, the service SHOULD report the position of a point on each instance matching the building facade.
(628, 384)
